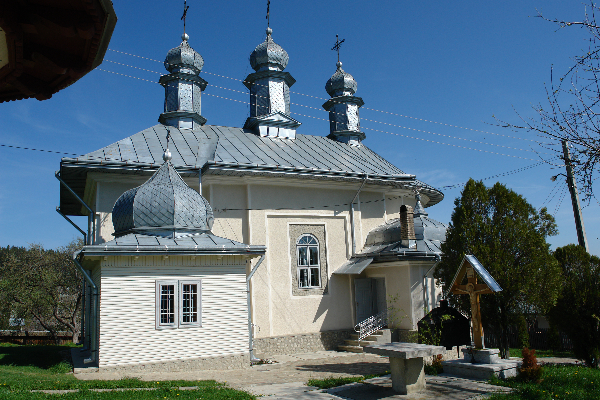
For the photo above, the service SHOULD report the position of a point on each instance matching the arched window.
(309, 266)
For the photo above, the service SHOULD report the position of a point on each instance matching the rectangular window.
(189, 303)
(178, 304)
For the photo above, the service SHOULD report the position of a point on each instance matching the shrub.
(523, 332)
(529, 371)
(436, 366)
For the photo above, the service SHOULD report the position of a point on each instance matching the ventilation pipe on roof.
(407, 227)
(207, 148)
(94, 312)
(250, 339)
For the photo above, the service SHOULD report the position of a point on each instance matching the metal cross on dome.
(184, 16)
(268, 9)
(338, 44)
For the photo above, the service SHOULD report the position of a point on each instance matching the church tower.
(183, 87)
(344, 122)
(270, 91)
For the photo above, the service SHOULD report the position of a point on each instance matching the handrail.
(371, 324)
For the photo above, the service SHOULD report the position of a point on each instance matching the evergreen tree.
(508, 236)
(577, 311)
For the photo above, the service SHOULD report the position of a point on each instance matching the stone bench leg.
(408, 376)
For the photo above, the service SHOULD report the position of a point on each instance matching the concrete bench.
(406, 363)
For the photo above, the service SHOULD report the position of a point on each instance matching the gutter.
(94, 312)
(250, 338)
(161, 250)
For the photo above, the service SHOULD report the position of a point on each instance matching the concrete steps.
(354, 345)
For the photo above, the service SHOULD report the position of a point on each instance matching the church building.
(344, 233)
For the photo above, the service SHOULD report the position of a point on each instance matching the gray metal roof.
(204, 243)
(384, 243)
(354, 266)
(481, 271)
(239, 152)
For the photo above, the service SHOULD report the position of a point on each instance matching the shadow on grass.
(44, 357)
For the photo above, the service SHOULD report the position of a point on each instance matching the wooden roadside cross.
(471, 267)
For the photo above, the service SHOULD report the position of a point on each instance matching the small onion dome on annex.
(399, 239)
(165, 216)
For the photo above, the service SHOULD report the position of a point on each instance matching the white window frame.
(308, 267)
(178, 286)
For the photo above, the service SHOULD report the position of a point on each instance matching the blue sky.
(457, 64)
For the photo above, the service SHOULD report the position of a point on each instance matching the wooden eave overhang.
(50, 44)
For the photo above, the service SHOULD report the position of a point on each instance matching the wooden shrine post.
(472, 268)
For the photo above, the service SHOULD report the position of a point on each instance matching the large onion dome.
(183, 57)
(341, 83)
(427, 228)
(269, 54)
(164, 206)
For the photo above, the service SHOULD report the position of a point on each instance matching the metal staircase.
(355, 345)
(368, 332)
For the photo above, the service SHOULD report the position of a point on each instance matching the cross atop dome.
(344, 121)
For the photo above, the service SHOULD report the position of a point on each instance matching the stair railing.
(371, 324)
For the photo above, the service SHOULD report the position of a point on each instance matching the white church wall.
(246, 211)
(397, 277)
(128, 334)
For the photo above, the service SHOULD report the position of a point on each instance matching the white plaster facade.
(260, 211)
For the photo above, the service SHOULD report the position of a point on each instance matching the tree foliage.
(508, 236)
(577, 311)
(42, 284)
(573, 109)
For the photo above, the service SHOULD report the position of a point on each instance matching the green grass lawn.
(544, 353)
(332, 381)
(568, 382)
(27, 368)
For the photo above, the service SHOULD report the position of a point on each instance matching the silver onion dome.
(183, 57)
(341, 83)
(164, 206)
(269, 53)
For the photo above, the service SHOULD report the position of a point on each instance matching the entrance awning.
(354, 266)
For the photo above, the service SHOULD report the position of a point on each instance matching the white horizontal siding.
(127, 310)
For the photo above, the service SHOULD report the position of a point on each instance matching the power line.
(512, 172)
(372, 129)
(364, 107)
(449, 144)
(42, 150)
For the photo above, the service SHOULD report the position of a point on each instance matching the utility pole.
(581, 237)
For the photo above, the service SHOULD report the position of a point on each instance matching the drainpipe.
(352, 216)
(83, 281)
(425, 289)
(251, 343)
(94, 313)
(91, 214)
(74, 225)
(82, 329)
